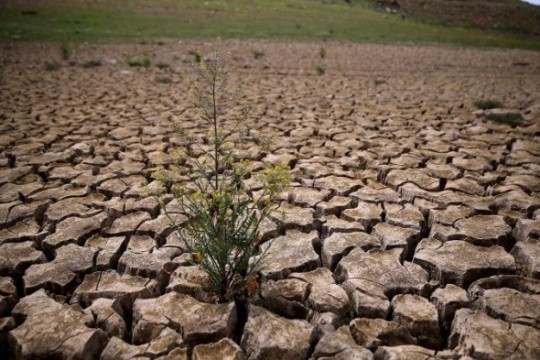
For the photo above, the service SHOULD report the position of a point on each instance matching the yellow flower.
(252, 285)
(198, 257)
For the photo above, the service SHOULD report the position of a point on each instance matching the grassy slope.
(136, 20)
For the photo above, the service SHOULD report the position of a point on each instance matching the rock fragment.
(267, 336)
(337, 342)
(68, 208)
(143, 258)
(25, 230)
(294, 218)
(449, 215)
(60, 332)
(527, 255)
(340, 244)
(35, 304)
(307, 197)
(484, 230)
(198, 322)
(109, 284)
(480, 336)
(290, 253)
(15, 258)
(333, 207)
(73, 230)
(368, 214)
(392, 237)
(396, 178)
(334, 224)
(420, 317)
(225, 349)
(190, 280)
(128, 224)
(448, 300)
(404, 352)
(63, 273)
(338, 185)
(513, 299)
(167, 345)
(8, 295)
(109, 316)
(286, 297)
(384, 268)
(367, 298)
(377, 194)
(372, 333)
(527, 229)
(108, 250)
(324, 295)
(475, 261)
(407, 216)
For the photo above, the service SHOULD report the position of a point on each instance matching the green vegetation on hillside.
(138, 20)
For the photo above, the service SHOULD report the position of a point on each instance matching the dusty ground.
(412, 227)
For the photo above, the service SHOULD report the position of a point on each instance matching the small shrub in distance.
(321, 69)
(257, 54)
(65, 51)
(506, 118)
(143, 61)
(222, 230)
(197, 57)
(488, 104)
(162, 66)
(322, 52)
(91, 64)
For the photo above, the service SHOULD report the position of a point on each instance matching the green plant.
(222, 230)
(143, 61)
(506, 118)
(322, 52)
(162, 66)
(65, 51)
(321, 69)
(488, 104)
(197, 57)
(91, 64)
(257, 54)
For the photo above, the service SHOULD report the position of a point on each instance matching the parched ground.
(411, 230)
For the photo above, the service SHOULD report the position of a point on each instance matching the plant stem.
(216, 140)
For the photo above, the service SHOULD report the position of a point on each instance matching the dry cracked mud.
(411, 230)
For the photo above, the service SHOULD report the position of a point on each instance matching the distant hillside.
(512, 16)
(421, 21)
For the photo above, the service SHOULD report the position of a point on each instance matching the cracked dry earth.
(411, 230)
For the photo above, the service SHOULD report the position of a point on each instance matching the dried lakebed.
(411, 230)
